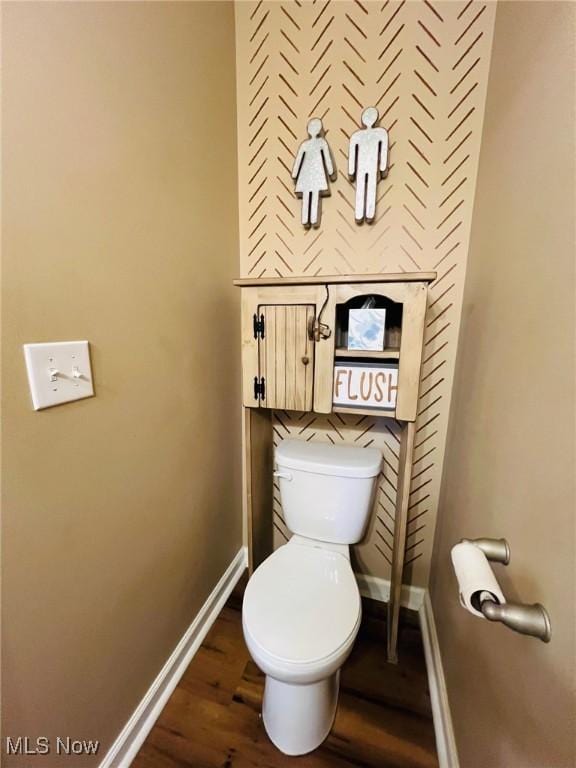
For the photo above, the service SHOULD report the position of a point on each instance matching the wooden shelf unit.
(368, 354)
(288, 358)
(379, 277)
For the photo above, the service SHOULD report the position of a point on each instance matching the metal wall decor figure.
(367, 163)
(312, 170)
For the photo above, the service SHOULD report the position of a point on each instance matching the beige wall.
(510, 455)
(121, 512)
(425, 66)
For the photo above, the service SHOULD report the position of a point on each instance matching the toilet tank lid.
(328, 459)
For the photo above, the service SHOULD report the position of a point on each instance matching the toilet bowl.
(301, 611)
(300, 616)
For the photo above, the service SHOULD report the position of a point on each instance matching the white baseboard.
(379, 589)
(132, 736)
(443, 728)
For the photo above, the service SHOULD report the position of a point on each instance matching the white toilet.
(301, 610)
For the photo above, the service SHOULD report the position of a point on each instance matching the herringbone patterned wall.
(425, 66)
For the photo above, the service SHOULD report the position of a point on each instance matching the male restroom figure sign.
(312, 169)
(367, 163)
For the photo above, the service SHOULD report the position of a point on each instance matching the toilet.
(301, 611)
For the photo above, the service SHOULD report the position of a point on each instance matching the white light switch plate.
(58, 372)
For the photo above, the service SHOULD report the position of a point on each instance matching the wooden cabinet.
(293, 334)
(291, 337)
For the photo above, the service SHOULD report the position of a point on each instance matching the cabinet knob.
(305, 360)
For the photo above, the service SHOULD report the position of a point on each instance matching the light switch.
(58, 372)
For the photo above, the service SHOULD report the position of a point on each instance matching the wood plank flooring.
(212, 719)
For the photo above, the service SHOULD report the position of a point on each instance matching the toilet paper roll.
(475, 577)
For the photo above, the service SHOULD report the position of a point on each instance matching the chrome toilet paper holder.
(496, 550)
(527, 619)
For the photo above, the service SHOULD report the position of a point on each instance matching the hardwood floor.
(212, 719)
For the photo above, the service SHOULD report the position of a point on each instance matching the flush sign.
(362, 385)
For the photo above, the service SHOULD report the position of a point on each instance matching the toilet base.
(298, 718)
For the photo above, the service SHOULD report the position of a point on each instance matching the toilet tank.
(326, 490)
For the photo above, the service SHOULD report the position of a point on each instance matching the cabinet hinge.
(258, 326)
(259, 388)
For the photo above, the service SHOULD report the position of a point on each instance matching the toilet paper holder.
(527, 619)
(496, 550)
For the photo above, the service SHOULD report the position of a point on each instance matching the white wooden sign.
(312, 170)
(362, 385)
(367, 163)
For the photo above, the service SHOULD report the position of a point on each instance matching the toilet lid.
(302, 603)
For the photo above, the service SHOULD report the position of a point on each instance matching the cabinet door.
(286, 357)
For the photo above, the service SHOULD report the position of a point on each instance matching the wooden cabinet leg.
(258, 466)
(400, 525)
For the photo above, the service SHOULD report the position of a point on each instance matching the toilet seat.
(301, 612)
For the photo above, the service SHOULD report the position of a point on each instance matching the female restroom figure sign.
(367, 163)
(312, 169)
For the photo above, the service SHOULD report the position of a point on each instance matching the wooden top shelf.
(382, 277)
(386, 354)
